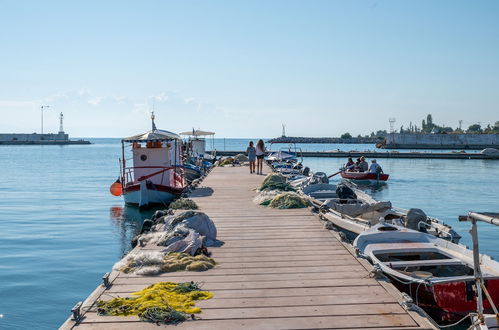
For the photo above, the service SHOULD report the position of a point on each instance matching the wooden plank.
(243, 277)
(256, 271)
(315, 322)
(254, 285)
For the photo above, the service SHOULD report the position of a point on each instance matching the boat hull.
(451, 301)
(364, 176)
(148, 194)
(191, 174)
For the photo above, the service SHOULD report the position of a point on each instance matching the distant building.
(441, 141)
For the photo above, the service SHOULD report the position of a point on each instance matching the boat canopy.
(197, 133)
(153, 136)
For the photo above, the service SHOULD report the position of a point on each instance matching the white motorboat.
(436, 273)
(357, 212)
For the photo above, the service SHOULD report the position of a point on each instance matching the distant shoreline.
(45, 142)
(325, 140)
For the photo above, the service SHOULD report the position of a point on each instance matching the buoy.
(116, 188)
(178, 179)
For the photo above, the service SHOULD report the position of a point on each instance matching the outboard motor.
(413, 218)
(305, 171)
(344, 192)
(319, 177)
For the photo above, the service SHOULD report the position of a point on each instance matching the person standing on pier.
(251, 152)
(260, 153)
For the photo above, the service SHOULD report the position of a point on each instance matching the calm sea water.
(61, 230)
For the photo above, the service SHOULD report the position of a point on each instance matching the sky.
(244, 68)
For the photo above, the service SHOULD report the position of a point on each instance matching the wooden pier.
(278, 269)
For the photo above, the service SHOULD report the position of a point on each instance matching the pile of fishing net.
(241, 158)
(184, 204)
(281, 200)
(155, 263)
(264, 197)
(164, 302)
(288, 200)
(186, 232)
(226, 161)
(275, 182)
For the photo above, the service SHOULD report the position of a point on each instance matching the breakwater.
(60, 138)
(440, 141)
(324, 140)
(387, 154)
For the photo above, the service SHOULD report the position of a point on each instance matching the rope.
(454, 324)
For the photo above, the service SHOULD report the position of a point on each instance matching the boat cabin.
(196, 143)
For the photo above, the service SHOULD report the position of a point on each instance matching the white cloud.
(88, 114)
(16, 104)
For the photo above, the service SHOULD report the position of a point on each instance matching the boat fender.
(116, 188)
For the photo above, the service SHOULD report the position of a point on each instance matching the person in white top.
(375, 167)
(260, 153)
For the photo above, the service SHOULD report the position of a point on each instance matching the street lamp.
(42, 107)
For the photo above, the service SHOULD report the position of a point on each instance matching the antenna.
(283, 130)
(392, 121)
(61, 119)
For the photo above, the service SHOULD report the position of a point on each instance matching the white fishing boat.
(354, 211)
(196, 144)
(436, 273)
(156, 176)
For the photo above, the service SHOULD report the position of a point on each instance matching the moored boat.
(156, 176)
(436, 273)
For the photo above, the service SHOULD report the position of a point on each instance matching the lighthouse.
(61, 119)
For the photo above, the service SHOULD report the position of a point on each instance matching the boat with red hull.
(364, 176)
(437, 274)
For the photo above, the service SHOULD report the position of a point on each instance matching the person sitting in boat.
(375, 167)
(363, 166)
(350, 164)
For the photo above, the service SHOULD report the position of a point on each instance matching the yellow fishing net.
(179, 297)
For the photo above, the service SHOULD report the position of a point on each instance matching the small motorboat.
(192, 172)
(436, 273)
(286, 161)
(157, 174)
(358, 215)
(364, 177)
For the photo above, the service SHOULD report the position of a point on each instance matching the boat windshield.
(437, 270)
(410, 256)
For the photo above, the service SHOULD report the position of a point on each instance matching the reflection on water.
(128, 221)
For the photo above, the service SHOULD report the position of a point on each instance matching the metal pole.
(476, 266)
(43, 106)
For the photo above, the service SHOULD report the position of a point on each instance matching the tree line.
(428, 126)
